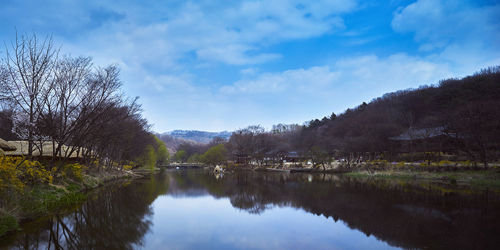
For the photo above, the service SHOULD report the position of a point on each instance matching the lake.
(195, 209)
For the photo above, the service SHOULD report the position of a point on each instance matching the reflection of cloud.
(209, 222)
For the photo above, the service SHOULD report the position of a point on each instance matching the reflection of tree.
(117, 217)
(400, 214)
(403, 215)
(248, 202)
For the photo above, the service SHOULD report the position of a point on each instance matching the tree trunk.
(30, 129)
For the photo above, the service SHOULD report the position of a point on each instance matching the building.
(6, 146)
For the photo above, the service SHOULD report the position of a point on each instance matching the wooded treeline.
(70, 103)
(456, 119)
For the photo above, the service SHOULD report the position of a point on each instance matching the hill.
(174, 139)
(459, 116)
(455, 119)
(197, 136)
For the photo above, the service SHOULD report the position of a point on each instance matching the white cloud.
(389, 73)
(195, 33)
(164, 82)
(249, 71)
(234, 54)
(290, 80)
(161, 48)
(302, 94)
(232, 33)
(288, 96)
(153, 40)
(461, 34)
(439, 23)
(395, 71)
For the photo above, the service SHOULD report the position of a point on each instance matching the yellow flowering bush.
(34, 172)
(445, 163)
(9, 174)
(379, 163)
(74, 171)
(400, 164)
(18, 172)
(465, 163)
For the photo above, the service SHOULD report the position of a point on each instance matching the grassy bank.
(38, 201)
(29, 189)
(474, 179)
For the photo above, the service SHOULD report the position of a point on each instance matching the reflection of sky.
(209, 223)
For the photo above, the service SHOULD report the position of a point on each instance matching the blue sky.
(224, 65)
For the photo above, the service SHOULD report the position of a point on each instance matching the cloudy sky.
(222, 66)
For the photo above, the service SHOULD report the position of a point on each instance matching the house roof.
(6, 146)
(21, 148)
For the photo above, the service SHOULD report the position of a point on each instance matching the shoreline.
(72, 194)
(479, 180)
(451, 177)
(51, 199)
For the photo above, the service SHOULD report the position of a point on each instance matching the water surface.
(194, 209)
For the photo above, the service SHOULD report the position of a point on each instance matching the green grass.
(385, 175)
(7, 223)
(486, 183)
(40, 200)
(43, 200)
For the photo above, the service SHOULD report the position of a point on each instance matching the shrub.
(465, 163)
(7, 223)
(74, 171)
(9, 174)
(214, 155)
(17, 172)
(400, 164)
(148, 158)
(378, 163)
(445, 163)
(453, 180)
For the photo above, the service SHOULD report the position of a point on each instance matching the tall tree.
(29, 65)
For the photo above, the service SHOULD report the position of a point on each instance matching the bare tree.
(97, 97)
(29, 65)
(64, 107)
(4, 93)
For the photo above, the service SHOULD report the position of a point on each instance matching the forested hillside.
(455, 119)
(463, 113)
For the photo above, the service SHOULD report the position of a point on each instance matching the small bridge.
(175, 165)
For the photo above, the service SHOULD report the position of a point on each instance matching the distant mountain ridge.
(197, 136)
